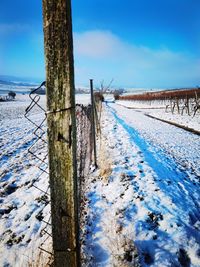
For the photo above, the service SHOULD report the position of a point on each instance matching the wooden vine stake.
(58, 45)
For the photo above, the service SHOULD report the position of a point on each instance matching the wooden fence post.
(61, 131)
(93, 123)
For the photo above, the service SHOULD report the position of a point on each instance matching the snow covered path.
(143, 206)
(184, 147)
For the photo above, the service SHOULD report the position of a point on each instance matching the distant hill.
(6, 82)
(41, 91)
(16, 81)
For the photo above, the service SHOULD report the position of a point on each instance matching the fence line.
(39, 150)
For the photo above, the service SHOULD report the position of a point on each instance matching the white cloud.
(103, 53)
(95, 44)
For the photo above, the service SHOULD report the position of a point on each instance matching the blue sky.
(138, 43)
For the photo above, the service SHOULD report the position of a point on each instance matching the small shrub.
(12, 95)
(98, 97)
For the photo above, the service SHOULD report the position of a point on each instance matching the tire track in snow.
(167, 171)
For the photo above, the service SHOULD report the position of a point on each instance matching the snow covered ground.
(23, 207)
(157, 110)
(84, 99)
(141, 207)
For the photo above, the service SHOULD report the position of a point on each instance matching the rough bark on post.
(61, 130)
(93, 123)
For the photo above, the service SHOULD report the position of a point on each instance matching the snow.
(181, 145)
(183, 120)
(142, 207)
(84, 99)
(157, 109)
(23, 206)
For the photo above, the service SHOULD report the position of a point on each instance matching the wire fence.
(84, 142)
(39, 151)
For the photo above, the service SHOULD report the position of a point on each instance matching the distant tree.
(120, 91)
(105, 89)
(117, 93)
(12, 95)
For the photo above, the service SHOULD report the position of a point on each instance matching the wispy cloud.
(133, 64)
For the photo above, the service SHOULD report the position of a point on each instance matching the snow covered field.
(140, 208)
(157, 110)
(23, 207)
(84, 99)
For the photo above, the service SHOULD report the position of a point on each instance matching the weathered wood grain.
(61, 130)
